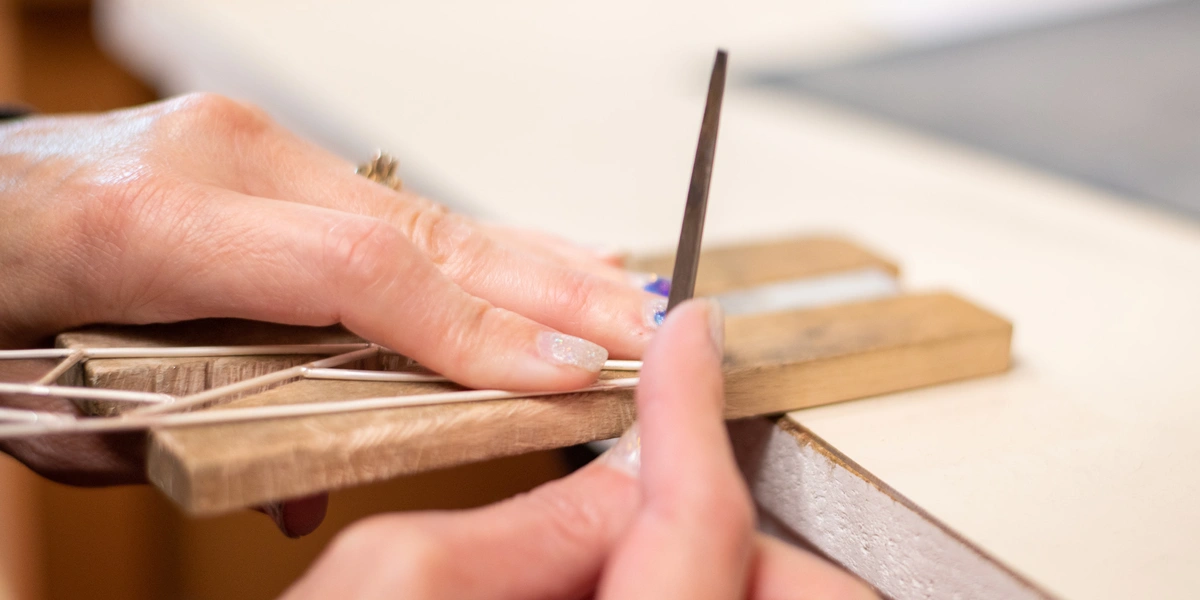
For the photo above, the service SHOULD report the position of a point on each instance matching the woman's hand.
(663, 515)
(201, 206)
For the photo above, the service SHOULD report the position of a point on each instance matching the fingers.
(224, 254)
(550, 543)
(564, 290)
(598, 262)
(693, 536)
(612, 313)
(676, 533)
(782, 572)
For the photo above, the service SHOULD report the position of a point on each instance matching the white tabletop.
(1075, 469)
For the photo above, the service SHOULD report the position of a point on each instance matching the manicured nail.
(626, 454)
(652, 283)
(569, 350)
(716, 325)
(654, 311)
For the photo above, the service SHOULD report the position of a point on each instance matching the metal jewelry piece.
(382, 170)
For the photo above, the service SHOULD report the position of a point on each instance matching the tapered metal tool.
(687, 256)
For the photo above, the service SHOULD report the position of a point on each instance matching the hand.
(201, 206)
(681, 526)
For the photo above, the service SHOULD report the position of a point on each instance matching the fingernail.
(716, 325)
(654, 311)
(652, 283)
(626, 454)
(569, 350)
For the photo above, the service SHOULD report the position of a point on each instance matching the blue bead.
(660, 286)
(659, 316)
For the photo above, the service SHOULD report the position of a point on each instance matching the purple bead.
(660, 286)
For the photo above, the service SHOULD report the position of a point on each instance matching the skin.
(676, 529)
(201, 206)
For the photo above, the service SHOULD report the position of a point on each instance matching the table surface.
(1076, 468)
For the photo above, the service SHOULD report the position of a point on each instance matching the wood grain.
(815, 357)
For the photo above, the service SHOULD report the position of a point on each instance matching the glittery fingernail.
(652, 283)
(654, 312)
(626, 454)
(569, 350)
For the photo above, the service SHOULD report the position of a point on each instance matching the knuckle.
(360, 252)
(572, 292)
(213, 114)
(442, 235)
(210, 107)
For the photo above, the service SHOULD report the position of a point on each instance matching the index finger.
(232, 255)
(693, 536)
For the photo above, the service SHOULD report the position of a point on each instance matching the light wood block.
(775, 363)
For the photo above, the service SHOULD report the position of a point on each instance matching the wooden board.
(775, 362)
(814, 357)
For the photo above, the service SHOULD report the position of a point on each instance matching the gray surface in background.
(1113, 100)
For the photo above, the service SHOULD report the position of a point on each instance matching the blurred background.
(1099, 92)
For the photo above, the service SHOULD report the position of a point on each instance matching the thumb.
(693, 537)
